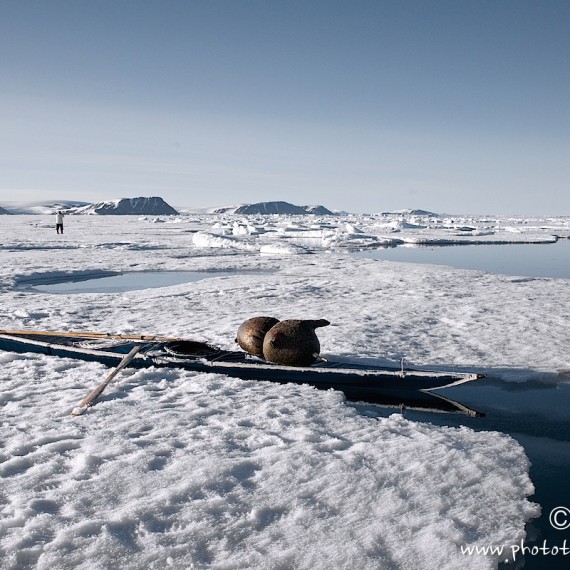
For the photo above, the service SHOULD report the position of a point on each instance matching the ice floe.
(174, 469)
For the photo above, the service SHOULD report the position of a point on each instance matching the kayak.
(359, 381)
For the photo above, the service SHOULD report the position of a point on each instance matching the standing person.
(59, 222)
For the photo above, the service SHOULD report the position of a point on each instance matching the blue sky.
(451, 106)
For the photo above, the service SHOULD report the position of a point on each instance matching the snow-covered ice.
(179, 469)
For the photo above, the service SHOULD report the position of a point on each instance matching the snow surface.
(180, 469)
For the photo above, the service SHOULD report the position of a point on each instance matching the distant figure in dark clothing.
(59, 222)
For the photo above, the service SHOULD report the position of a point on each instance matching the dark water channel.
(537, 415)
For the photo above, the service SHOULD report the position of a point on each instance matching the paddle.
(89, 400)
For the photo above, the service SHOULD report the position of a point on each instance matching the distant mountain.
(2, 211)
(153, 206)
(409, 212)
(318, 210)
(222, 210)
(40, 207)
(280, 208)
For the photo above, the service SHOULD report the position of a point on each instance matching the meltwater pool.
(122, 282)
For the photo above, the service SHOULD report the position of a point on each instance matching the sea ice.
(174, 468)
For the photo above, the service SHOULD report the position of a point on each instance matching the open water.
(525, 260)
(131, 281)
